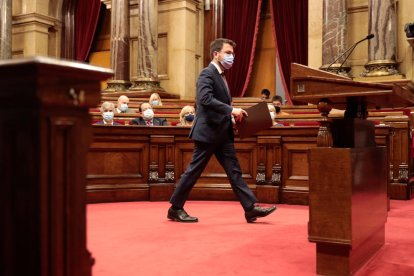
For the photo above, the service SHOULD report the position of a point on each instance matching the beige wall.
(315, 33)
(180, 26)
(357, 29)
(36, 28)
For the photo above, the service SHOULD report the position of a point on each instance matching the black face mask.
(277, 109)
(189, 117)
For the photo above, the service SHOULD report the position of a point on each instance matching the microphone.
(350, 49)
(369, 37)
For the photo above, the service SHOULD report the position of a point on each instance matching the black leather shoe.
(180, 216)
(258, 212)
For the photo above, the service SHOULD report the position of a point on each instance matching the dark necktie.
(225, 82)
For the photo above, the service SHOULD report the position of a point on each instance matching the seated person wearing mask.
(278, 103)
(147, 117)
(272, 111)
(186, 116)
(122, 105)
(107, 111)
(155, 100)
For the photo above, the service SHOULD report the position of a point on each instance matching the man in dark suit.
(212, 133)
(147, 117)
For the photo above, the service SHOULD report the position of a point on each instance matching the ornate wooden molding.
(276, 179)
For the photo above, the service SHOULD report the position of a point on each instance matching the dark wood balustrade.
(133, 163)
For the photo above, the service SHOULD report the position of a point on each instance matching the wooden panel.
(115, 162)
(277, 154)
(267, 194)
(44, 137)
(214, 173)
(295, 183)
(400, 158)
(117, 171)
(348, 206)
(65, 182)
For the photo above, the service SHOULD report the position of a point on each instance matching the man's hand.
(238, 113)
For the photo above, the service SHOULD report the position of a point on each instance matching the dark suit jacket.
(213, 116)
(155, 121)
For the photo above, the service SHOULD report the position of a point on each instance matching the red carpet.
(136, 239)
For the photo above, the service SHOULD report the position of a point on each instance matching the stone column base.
(393, 79)
(146, 86)
(337, 69)
(117, 85)
(380, 68)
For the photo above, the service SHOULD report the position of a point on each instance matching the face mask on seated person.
(277, 109)
(148, 114)
(123, 107)
(108, 116)
(155, 103)
(189, 117)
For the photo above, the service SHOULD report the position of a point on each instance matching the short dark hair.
(277, 98)
(266, 92)
(217, 44)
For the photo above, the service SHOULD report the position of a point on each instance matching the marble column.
(334, 36)
(5, 29)
(382, 48)
(147, 75)
(119, 46)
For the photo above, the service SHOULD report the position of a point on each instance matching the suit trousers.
(226, 155)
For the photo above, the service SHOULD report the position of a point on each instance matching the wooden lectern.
(348, 174)
(45, 131)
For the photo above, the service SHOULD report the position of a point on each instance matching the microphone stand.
(349, 51)
(347, 56)
(341, 55)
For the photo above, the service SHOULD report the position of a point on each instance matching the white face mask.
(123, 107)
(228, 61)
(148, 114)
(272, 115)
(108, 116)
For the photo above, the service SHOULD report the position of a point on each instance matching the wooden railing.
(130, 163)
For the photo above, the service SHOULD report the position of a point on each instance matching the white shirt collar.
(218, 67)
